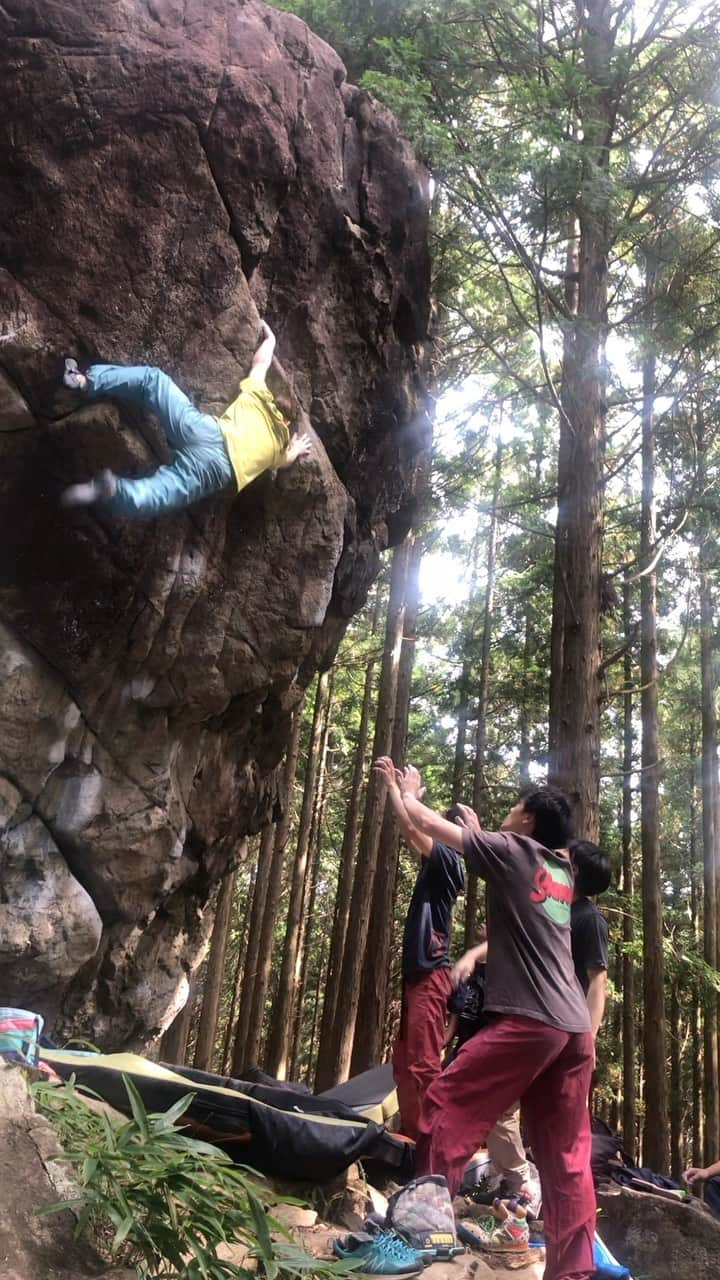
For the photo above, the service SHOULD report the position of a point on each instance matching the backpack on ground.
(20, 1035)
(422, 1213)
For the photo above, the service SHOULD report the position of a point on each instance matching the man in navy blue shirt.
(417, 1053)
(589, 926)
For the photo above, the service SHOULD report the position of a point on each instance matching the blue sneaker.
(384, 1254)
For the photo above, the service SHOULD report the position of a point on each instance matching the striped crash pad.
(276, 1129)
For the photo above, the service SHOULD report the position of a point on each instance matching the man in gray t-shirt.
(539, 1048)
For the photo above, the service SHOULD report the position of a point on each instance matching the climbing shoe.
(512, 1236)
(101, 489)
(383, 1254)
(72, 377)
(476, 1236)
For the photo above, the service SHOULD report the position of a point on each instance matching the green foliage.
(162, 1201)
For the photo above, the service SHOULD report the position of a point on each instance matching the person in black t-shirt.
(589, 928)
(467, 999)
(417, 1052)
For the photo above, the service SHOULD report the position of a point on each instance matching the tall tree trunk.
(696, 1158)
(174, 1043)
(310, 895)
(343, 1029)
(525, 716)
(229, 1035)
(676, 1101)
(323, 1075)
(315, 1025)
(629, 1122)
(262, 876)
(247, 1051)
(368, 1047)
(207, 1025)
(463, 706)
(710, 824)
(304, 958)
(480, 784)
(711, 841)
(562, 530)
(656, 1137)
(575, 637)
(281, 1027)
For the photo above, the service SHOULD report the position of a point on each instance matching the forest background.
(554, 611)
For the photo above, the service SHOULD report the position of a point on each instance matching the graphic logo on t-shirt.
(554, 889)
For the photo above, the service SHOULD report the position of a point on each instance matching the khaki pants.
(507, 1151)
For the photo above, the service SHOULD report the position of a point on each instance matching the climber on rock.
(209, 453)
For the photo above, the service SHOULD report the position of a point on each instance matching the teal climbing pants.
(200, 462)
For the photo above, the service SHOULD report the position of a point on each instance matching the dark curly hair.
(550, 808)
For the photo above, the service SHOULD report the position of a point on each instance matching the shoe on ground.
(72, 377)
(476, 1236)
(384, 1254)
(611, 1273)
(510, 1237)
(101, 489)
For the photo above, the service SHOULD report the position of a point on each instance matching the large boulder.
(659, 1238)
(34, 1245)
(172, 171)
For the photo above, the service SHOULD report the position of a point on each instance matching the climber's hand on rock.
(299, 447)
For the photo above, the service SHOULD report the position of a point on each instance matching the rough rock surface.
(172, 171)
(659, 1238)
(32, 1246)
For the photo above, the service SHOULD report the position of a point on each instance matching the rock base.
(659, 1239)
(35, 1247)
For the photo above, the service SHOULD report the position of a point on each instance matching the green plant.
(162, 1201)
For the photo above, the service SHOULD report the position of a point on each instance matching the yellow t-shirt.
(256, 433)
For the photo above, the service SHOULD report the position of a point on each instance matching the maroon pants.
(550, 1071)
(417, 1052)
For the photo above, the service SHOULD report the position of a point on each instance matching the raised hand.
(468, 818)
(385, 767)
(411, 782)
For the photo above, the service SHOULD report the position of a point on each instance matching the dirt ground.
(317, 1237)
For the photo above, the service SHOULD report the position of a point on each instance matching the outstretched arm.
(263, 357)
(693, 1176)
(413, 838)
(429, 823)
